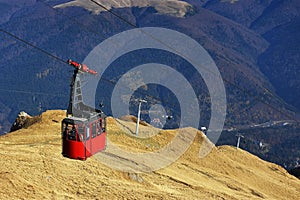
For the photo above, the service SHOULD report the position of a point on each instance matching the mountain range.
(255, 45)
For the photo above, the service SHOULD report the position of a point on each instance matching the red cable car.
(83, 138)
(84, 128)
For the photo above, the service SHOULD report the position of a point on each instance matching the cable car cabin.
(83, 134)
(83, 137)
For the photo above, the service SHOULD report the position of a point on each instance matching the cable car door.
(88, 145)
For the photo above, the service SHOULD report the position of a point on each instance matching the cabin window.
(64, 131)
(99, 127)
(94, 130)
(81, 133)
(87, 133)
(70, 131)
(103, 125)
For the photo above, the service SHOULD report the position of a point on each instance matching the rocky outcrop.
(24, 121)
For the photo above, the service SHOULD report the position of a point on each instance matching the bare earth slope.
(32, 167)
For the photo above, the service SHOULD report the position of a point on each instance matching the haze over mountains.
(255, 45)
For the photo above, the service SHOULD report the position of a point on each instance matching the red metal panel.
(74, 149)
(98, 143)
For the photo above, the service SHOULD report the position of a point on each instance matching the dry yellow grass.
(32, 167)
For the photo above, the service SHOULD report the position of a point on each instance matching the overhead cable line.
(31, 92)
(115, 14)
(59, 59)
(33, 46)
(25, 44)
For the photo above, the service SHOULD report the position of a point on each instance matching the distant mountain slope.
(244, 12)
(281, 61)
(278, 13)
(278, 22)
(33, 167)
(261, 16)
(8, 8)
